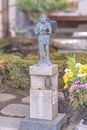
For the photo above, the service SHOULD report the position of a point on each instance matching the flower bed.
(75, 78)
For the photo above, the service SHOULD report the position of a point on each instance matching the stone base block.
(43, 104)
(38, 82)
(37, 124)
(47, 70)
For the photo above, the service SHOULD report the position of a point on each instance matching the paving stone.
(26, 100)
(9, 123)
(18, 110)
(81, 126)
(6, 97)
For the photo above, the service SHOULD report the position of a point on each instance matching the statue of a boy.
(42, 30)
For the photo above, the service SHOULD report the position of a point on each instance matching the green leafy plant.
(19, 77)
(38, 6)
(72, 64)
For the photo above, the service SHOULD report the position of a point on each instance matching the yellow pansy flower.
(65, 79)
(85, 75)
(66, 86)
(82, 69)
(70, 74)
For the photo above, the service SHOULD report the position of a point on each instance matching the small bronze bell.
(48, 82)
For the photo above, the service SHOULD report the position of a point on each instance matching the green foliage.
(72, 63)
(79, 97)
(2, 45)
(18, 76)
(16, 68)
(39, 6)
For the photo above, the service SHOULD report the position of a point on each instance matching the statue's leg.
(41, 50)
(47, 55)
(47, 51)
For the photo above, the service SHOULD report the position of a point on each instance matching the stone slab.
(82, 8)
(43, 104)
(6, 97)
(37, 124)
(26, 100)
(9, 123)
(18, 110)
(47, 70)
(81, 126)
(38, 81)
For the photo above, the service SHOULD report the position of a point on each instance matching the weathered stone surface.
(39, 81)
(26, 100)
(81, 126)
(9, 123)
(70, 45)
(82, 7)
(43, 104)
(37, 124)
(80, 34)
(6, 97)
(18, 110)
(47, 70)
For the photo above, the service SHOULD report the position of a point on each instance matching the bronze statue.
(43, 29)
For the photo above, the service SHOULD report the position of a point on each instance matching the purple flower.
(83, 86)
(73, 87)
(77, 85)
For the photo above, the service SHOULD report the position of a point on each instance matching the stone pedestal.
(43, 100)
(39, 74)
(37, 124)
(38, 81)
(43, 104)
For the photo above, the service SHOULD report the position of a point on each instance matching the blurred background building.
(7, 16)
(11, 18)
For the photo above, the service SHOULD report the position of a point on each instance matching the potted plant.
(33, 8)
(75, 79)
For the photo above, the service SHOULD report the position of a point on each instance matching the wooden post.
(1, 19)
(5, 18)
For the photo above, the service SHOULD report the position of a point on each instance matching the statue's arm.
(49, 28)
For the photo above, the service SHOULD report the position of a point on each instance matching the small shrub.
(16, 70)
